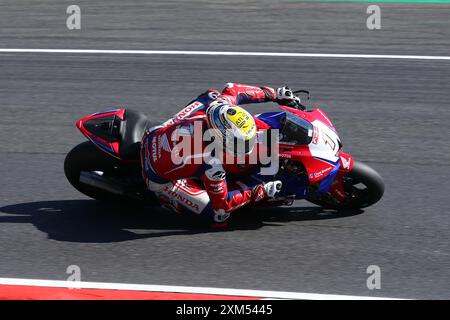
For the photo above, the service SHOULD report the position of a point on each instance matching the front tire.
(363, 187)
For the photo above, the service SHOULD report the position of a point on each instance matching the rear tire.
(87, 157)
(357, 198)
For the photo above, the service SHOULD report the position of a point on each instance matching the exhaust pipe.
(96, 180)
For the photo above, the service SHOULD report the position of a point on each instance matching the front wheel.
(363, 187)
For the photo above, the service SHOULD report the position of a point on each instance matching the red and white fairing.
(323, 154)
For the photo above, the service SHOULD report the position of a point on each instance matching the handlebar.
(301, 106)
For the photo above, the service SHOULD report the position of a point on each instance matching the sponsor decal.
(315, 135)
(320, 173)
(165, 143)
(240, 122)
(215, 174)
(154, 149)
(259, 193)
(217, 190)
(217, 187)
(183, 130)
(285, 155)
(221, 215)
(219, 175)
(213, 95)
(186, 111)
(327, 140)
(345, 162)
(175, 195)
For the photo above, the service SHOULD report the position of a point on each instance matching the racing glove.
(266, 190)
(286, 96)
(272, 188)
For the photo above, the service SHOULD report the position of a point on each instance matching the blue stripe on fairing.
(273, 119)
(103, 112)
(325, 183)
(232, 193)
(205, 100)
(293, 185)
(103, 146)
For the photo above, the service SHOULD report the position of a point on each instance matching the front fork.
(337, 190)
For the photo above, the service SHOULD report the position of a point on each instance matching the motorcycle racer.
(197, 180)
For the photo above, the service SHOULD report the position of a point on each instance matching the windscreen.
(296, 130)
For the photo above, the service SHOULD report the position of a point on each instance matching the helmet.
(234, 125)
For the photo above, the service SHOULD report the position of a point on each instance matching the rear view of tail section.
(117, 132)
(104, 130)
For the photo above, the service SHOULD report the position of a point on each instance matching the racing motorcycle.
(312, 165)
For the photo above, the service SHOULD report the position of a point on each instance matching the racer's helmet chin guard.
(234, 125)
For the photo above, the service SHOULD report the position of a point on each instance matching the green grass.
(378, 1)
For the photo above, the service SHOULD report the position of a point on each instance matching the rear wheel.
(87, 158)
(363, 187)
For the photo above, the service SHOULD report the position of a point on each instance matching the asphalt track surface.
(391, 114)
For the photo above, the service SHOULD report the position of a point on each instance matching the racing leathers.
(196, 180)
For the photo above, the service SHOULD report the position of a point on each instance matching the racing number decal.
(326, 145)
(329, 141)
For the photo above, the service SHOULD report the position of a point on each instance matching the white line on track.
(227, 53)
(182, 289)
